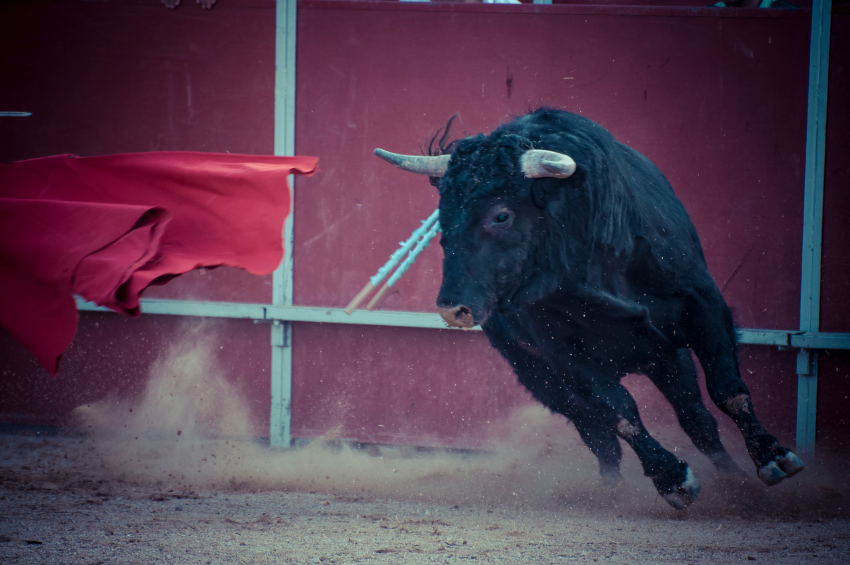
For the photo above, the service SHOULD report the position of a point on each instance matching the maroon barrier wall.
(835, 290)
(717, 98)
(834, 366)
(719, 103)
(117, 77)
(111, 357)
(112, 77)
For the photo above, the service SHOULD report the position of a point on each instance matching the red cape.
(108, 227)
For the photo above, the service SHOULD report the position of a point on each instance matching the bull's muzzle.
(457, 317)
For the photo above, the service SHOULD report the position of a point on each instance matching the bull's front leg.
(555, 392)
(551, 389)
(674, 479)
(712, 336)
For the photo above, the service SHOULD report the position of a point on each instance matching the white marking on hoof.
(781, 468)
(686, 493)
(771, 474)
(790, 463)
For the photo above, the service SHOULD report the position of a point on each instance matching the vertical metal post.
(807, 366)
(284, 144)
(807, 396)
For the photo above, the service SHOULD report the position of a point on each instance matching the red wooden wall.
(114, 77)
(834, 374)
(717, 98)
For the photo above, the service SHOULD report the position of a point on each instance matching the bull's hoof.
(610, 476)
(685, 493)
(780, 468)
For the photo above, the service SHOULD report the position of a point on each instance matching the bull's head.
(491, 218)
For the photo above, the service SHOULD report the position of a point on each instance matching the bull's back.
(662, 219)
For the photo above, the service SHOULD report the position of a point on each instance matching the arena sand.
(176, 477)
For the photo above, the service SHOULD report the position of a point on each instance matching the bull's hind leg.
(712, 336)
(603, 443)
(677, 381)
(673, 479)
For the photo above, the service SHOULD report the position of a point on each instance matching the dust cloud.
(190, 433)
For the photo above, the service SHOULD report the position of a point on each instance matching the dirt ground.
(174, 477)
(57, 505)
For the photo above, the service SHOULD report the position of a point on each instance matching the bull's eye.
(500, 218)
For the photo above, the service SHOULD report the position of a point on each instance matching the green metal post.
(807, 361)
(284, 144)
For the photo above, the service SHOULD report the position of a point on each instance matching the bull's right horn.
(539, 163)
(419, 164)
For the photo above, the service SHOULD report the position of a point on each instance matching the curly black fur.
(444, 146)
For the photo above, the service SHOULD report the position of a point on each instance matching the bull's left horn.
(539, 163)
(419, 164)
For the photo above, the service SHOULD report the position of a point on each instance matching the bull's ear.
(542, 191)
(546, 190)
(548, 167)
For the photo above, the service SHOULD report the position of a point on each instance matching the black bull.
(581, 266)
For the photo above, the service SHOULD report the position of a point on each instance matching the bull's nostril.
(458, 317)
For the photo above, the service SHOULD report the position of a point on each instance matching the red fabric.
(108, 227)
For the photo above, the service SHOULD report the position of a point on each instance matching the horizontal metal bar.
(315, 314)
(821, 340)
(90, 306)
(190, 308)
(210, 309)
(282, 313)
(763, 337)
(363, 317)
